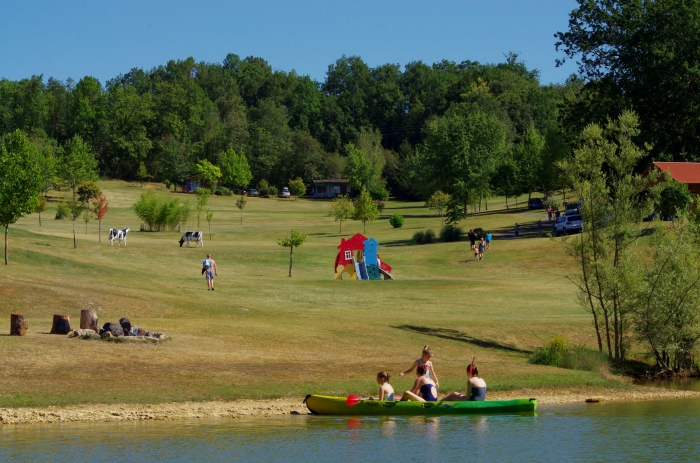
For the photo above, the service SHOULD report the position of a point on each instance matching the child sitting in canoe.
(424, 388)
(427, 365)
(386, 392)
(476, 387)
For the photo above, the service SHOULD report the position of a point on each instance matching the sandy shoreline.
(277, 407)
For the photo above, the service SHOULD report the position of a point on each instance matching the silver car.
(567, 224)
(285, 193)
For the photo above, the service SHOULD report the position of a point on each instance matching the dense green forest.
(287, 125)
(468, 129)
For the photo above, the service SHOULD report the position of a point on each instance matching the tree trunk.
(75, 243)
(61, 324)
(210, 232)
(99, 231)
(6, 227)
(340, 228)
(291, 250)
(18, 325)
(40, 218)
(506, 202)
(88, 320)
(241, 217)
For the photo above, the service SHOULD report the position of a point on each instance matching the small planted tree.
(142, 173)
(86, 191)
(210, 217)
(41, 206)
(294, 240)
(202, 202)
(341, 210)
(76, 165)
(297, 187)
(365, 209)
(396, 220)
(20, 179)
(438, 202)
(99, 208)
(240, 204)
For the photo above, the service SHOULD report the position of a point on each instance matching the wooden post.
(88, 320)
(18, 325)
(61, 324)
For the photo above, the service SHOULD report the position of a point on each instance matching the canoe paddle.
(353, 400)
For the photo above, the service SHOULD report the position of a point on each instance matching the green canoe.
(328, 405)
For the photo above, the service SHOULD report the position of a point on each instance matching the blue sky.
(74, 38)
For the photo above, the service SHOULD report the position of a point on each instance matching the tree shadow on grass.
(454, 335)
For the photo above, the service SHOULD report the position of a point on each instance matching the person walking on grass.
(209, 269)
(472, 238)
(517, 230)
(482, 248)
(549, 213)
(489, 237)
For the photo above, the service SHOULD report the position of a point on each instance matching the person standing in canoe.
(386, 392)
(476, 388)
(424, 388)
(427, 365)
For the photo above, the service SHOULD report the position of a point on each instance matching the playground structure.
(359, 260)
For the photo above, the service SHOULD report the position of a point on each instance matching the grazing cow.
(120, 235)
(192, 236)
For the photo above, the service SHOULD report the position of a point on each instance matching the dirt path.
(277, 407)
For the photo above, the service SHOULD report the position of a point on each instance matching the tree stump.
(18, 325)
(88, 320)
(61, 324)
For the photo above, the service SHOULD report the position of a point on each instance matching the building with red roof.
(683, 172)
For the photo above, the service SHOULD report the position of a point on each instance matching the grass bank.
(264, 335)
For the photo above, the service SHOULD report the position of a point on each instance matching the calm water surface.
(647, 431)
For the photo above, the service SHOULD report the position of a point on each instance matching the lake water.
(644, 431)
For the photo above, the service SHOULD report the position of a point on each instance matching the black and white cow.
(192, 236)
(120, 235)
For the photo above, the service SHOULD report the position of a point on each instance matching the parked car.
(535, 203)
(571, 212)
(252, 192)
(573, 206)
(567, 224)
(285, 193)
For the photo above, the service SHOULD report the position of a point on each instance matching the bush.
(418, 237)
(559, 353)
(62, 210)
(396, 220)
(480, 233)
(223, 191)
(272, 191)
(424, 237)
(450, 234)
(262, 186)
(552, 201)
(160, 214)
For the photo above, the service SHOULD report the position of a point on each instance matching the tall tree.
(76, 164)
(641, 55)
(20, 179)
(235, 171)
(366, 209)
(365, 163)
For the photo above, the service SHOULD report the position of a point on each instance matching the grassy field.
(262, 334)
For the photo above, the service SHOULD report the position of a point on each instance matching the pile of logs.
(88, 326)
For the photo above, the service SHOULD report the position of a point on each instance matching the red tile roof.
(684, 172)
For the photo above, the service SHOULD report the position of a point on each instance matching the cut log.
(18, 325)
(61, 324)
(88, 320)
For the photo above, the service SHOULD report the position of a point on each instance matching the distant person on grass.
(424, 362)
(209, 270)
(482, 248)
(424, 388)
(549, 213)
(517, 230)
(386, 392)
(476, 388)
(489, 237)
(472, 238)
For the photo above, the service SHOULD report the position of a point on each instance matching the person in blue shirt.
(489, 237)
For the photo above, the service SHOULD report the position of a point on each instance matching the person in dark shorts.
(472, 238)
(209, 269)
